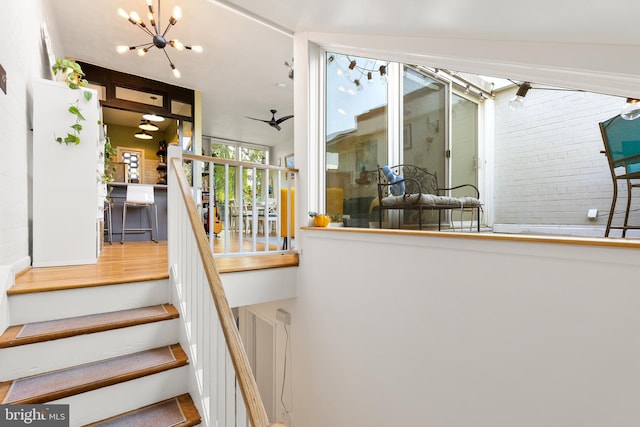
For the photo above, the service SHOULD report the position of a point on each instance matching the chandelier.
(158, 36)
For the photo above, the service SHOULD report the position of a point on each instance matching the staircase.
(110, 352)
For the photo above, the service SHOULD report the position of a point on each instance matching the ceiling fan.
(273, 122)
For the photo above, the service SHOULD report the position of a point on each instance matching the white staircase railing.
(243, 225)
(227, 392)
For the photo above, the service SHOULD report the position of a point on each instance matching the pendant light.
(517, 102)
(159, 39)
(143, 135)
(631, 109)
(147, 125)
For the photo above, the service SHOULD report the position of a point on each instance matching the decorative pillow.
(396, 189)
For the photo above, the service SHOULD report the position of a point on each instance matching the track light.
(517, 102)
(631, 109)
(158, 36)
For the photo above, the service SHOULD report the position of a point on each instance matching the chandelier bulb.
(123, 13)
(177, 44)
(176, 15)
(176, 72)
(142, 51)
(151, 19)
(122, 49)
(195, 48)
(135, 18)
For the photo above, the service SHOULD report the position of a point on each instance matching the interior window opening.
(230, 189)
(535, 152)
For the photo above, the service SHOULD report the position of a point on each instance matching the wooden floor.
(131, 262)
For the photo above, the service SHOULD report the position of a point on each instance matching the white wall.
(22, 55)
(548, 165)
(426, 330)
(432, 330)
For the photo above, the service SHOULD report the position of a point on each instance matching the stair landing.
(131, 262)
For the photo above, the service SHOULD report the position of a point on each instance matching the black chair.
(622, 147)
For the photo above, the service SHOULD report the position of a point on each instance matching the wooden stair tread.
(179, 411)
(64, 328)
(66, 382)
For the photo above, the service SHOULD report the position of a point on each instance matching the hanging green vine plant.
(74, 78)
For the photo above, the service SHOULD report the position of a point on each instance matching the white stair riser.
(42, 306)
(109, 401)
(31, 359)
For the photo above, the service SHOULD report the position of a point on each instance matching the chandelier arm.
(166, 30)
(152, 18)
(167, 55)
(155, 28)
(146, 45)
(146, 30)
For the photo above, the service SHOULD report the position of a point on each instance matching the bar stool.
(140, 196)
(108, 224)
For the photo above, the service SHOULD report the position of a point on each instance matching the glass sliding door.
(464, 150)
(424, 131)
(356, 136)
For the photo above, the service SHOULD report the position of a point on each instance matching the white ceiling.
(243, 60)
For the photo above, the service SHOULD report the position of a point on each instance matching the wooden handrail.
(248, 386)
(237, 163)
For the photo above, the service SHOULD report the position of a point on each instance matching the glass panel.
(253, 155)
(187, 132)
(139, 96)
(132, 158)
(224, 151)
(357, 134)
(424, 139)
(180, 108)
(464, 147)
(102, 91)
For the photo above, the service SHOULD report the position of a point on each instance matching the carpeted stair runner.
(176, 412)
(64, 328)
(82, 378)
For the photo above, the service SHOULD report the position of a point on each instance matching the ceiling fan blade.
(260, 120)
(282, 119)
(275, 125)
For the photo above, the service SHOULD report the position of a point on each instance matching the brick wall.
(548, 165)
